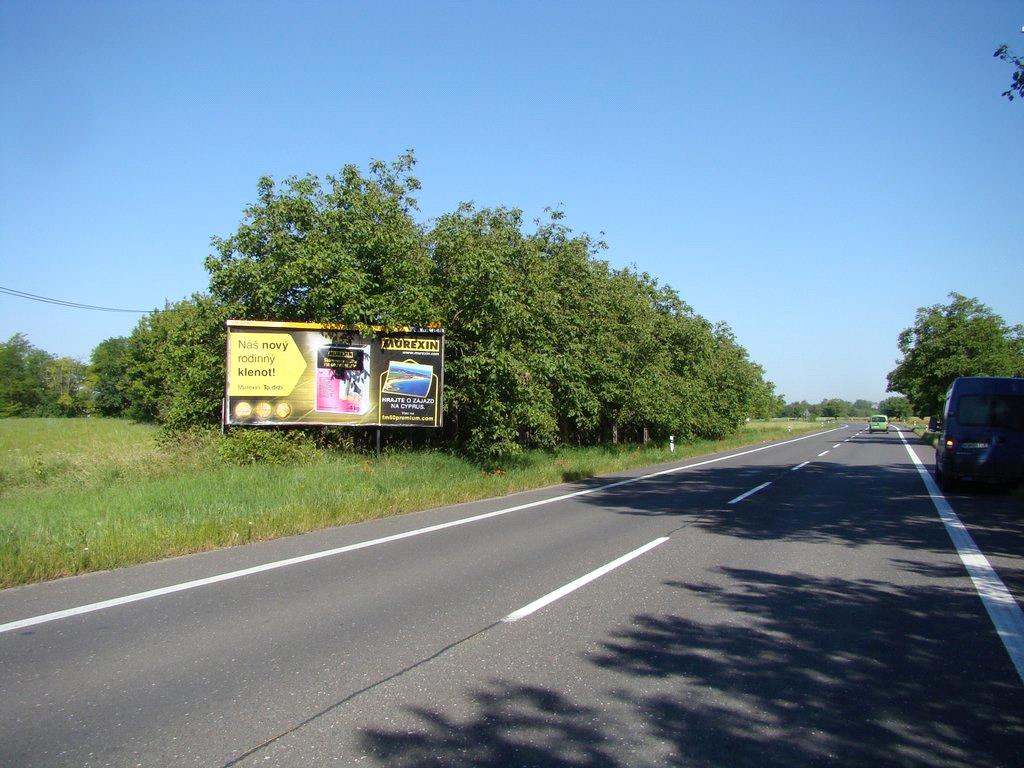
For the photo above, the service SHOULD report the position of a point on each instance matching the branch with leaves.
(1017, 85)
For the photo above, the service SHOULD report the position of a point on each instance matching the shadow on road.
(794, 671)
(849, 505)
(855, 673)
(762, 668)
(514, 725)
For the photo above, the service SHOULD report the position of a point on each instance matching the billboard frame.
(399, 356)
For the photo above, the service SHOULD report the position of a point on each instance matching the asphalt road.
(824, 619)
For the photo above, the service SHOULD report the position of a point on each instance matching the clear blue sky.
(808, 172)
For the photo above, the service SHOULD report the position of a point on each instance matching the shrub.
(259, 446)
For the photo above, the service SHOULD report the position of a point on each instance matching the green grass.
(93, 494)
(72, 453)
(921, 430)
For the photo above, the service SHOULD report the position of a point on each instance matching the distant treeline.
(545, 342)
(36, 383)
(835, 407)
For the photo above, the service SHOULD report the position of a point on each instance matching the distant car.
(878, 423)
(982, 436)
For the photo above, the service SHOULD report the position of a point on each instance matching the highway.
(790, 604)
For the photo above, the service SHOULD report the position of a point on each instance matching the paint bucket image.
(342, 380)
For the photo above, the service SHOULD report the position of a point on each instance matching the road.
(825, 618)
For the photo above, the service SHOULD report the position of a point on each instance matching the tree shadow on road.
(848, 505)
(779, 670)
(515, 725)
(811, 671)
(761, 668)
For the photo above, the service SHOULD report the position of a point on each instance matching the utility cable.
(72, 304)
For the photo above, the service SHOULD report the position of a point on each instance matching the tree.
(861, 408)
(345, 251)
(1017, 82)
(897, 407)
(495, 298)
(107, 378)
(835, 407)
(961, 338)
(65, 393)
(175, 364)
(23, 384)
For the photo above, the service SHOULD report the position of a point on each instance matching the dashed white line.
(572, 586)
(1002, 609)
(799, 466)
(822, 454)
(751, 492)
(837, 445)
(187, 585)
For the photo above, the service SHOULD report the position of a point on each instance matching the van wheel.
(945, 482)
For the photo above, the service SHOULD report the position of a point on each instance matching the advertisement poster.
(303, 373)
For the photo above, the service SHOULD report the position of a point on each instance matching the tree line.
(835, 407)
(546, 343)
(35, 383)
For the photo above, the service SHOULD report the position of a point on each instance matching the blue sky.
(810, 173)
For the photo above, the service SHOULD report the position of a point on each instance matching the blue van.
(982, 436)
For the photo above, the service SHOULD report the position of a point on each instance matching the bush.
(260, 446)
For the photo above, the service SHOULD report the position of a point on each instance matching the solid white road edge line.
(134, 598)
(572, 586)
(751, 492)
(1006, 615)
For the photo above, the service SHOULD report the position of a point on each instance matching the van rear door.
(991, 436)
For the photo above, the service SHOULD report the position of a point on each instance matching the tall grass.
(93, 494)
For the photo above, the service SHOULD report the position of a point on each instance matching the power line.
(72, 304)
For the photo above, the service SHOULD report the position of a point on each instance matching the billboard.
(305, 373)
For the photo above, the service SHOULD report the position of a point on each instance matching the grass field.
(79, 495)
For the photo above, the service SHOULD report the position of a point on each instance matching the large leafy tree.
(343, 250)
(497, 307)
(961, 338)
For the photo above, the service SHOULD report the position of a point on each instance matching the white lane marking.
(799, 466)
(822, 454)
(183, 586)
(1002, 609)
(837, 445)
(751, 492)
(572, 586)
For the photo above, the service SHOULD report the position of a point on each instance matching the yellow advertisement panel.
(303, 373)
